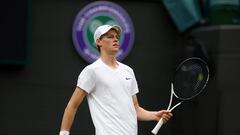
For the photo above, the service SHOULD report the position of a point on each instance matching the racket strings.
(190, 79)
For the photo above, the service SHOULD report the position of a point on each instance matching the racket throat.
(175, 106)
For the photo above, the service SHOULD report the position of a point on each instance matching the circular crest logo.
(96, 14)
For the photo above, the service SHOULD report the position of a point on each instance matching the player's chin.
(115, 49)
(116, 46)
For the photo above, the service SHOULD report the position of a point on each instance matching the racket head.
(190, 78)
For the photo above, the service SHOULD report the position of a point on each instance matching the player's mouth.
(115, 45)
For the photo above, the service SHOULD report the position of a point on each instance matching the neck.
(109, 60)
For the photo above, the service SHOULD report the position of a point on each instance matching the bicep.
(77, 97)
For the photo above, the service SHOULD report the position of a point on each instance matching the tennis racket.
(190, 78)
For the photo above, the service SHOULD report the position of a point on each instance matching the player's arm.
(71, 109)
(145, 115)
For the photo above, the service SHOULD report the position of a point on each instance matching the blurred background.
(39, 65)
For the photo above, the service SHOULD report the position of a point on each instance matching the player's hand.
(166, 115)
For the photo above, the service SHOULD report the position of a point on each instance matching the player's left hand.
(166, 115)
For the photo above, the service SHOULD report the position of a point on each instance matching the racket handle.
(157, 127)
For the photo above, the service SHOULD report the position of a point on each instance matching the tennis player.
(110, 88)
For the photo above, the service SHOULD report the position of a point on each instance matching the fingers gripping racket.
(189, 80)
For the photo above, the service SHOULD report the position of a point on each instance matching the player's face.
(110, 41)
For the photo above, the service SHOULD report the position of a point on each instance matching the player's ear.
(98, 46)
(98, 43)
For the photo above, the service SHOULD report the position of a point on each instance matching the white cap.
(104, 29)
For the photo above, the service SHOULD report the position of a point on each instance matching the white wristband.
(64, 132)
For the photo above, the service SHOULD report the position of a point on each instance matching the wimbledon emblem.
(94, 15)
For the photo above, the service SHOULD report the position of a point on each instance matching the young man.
(110, 88)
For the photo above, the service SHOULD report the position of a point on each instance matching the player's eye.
(113, 36)
(110, 36)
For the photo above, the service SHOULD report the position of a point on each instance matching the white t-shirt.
(109, 97)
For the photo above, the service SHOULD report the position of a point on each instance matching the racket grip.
(157, 127)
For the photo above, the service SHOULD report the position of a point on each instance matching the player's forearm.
(145, 115)
(68, 118)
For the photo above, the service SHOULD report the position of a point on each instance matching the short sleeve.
(86, 80)
(134, 85)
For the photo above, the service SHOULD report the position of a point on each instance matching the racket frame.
(160, 122)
